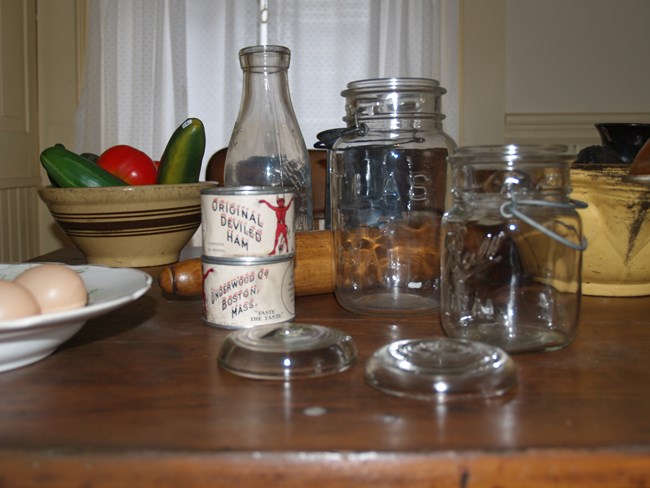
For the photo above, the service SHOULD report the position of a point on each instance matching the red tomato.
(129, 164)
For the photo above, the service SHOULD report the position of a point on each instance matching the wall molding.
(18, 212)
(573, 129)
(20, 182)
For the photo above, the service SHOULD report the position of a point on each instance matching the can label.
(247, 221)
(239, 293)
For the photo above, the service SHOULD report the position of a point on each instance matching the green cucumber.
(183, 155)
(70, 170)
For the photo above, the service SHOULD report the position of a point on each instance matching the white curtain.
(152, 63)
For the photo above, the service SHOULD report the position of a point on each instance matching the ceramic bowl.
(617, 226)
(128, 226)
(622, 141)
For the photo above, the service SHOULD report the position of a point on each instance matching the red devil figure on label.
(281, 228)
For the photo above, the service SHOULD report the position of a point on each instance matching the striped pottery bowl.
(128, 226)
(617, 225)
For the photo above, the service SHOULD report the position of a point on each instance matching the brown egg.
(16, 301)
(55, 286)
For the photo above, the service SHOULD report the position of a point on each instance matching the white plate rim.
(140, 282)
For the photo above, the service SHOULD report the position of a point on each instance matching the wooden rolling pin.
(313, 272)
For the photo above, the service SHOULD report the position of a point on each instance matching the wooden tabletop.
(136, 399)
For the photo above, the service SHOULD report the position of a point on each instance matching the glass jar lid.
(512, 171)
(509, 154)
(441, 370)
(287, 351)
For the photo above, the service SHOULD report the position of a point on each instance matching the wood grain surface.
(136, 399)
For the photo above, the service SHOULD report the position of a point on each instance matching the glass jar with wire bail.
(388, 191)
(512, 248)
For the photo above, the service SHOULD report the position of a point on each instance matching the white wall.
(19, 169)
(570, 64)
(579, 56)
(58, 84)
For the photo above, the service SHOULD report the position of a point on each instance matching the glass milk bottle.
(388, 190)
(266, 148)
(511, 254)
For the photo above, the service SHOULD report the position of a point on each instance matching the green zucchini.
(70, 170)
(183, 155)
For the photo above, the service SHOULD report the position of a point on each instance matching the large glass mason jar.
(388, 189)
(511, 254)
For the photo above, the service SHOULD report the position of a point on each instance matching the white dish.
(29, 339)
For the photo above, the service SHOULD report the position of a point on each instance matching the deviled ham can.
(247, 221)
(245, 292)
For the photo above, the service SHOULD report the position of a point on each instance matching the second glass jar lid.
(441, 370)
(287, 351)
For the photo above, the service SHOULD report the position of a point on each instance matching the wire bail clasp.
(511, 209)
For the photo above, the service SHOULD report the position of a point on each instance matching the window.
(152, 63)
